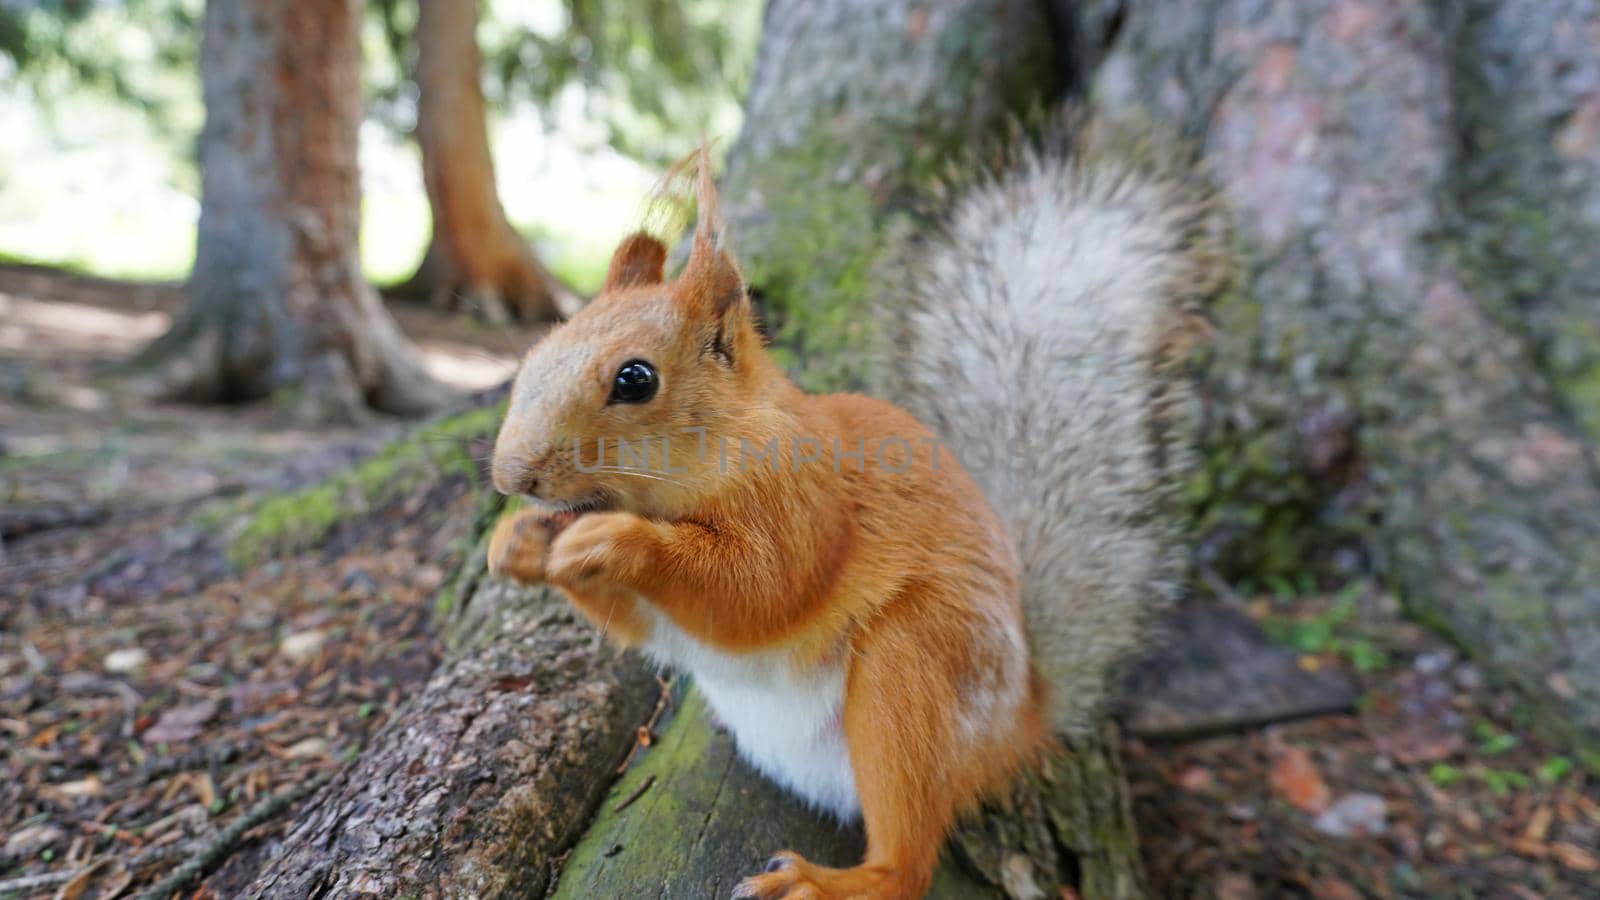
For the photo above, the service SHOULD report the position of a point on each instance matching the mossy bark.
(1385, 392)
(689, 819)
(852, 108)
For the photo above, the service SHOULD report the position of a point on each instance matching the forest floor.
(154, 694)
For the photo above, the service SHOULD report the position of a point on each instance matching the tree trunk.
(1417, 326)
(852, 108)
(276, 299)
(474, 255)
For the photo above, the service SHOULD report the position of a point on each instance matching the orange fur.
(910, 571)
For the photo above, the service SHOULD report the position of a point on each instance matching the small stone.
(1352, 815)
(359, 582)
(1468, 677)
(1433, 663)
(1242, 812)
(303, 646)
(129, 659)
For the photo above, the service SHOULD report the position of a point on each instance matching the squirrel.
(885, 633)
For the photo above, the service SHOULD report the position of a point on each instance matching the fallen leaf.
(205, 790)
(1195, 779)
(1295, 777)
(1235, 886)
(26, 842)
(1331, 888)
(303, 646)
(1538, 825)
(313, 746)
(80, 882)
(45, 737)
(513, 682)
(180, 723)
(83, 787)
(115, 885)
(1574, 857)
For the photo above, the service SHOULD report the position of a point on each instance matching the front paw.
(519, 545)
(598, 548)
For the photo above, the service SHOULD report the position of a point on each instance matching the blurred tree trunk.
(276, 299)
(1406, 377)
(474, 255)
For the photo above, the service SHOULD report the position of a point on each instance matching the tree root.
(218, 849)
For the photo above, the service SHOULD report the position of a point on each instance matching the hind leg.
(931, 730)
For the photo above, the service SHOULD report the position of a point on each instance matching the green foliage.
(1334, 631)
(141, 52)
(1554, 769)
(658, 75)
(1492, 741)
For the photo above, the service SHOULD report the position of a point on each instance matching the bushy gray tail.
(1042, 329)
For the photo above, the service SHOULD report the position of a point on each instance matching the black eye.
(636, 382)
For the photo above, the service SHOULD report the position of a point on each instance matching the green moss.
(658, 820)
(303, 518)
(810, 263)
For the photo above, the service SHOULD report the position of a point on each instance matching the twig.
(45, 879)
(219, 847)
(647, 730)
(637, 793)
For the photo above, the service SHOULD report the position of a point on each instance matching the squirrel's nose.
(513, 480)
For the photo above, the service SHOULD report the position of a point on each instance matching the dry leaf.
(204, 789)
(1538, 825)
(1575, 858)
(84, 787)
(180, 723)
(312, 746)
(80, 882)
(1331, 888)
(1195, 779)
(1296, 778)
(115, 885)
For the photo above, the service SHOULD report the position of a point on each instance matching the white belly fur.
(786, 723)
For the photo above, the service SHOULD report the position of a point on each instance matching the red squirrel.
(884, 634)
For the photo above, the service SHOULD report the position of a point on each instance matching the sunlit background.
(97, 164)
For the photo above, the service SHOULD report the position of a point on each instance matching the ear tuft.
(711, 278)
(639, 260)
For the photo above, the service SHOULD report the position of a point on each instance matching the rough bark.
(1371, 387)
(1526, 85)
(852, 107)
(276, 299)
(487, 776)
(475, 256)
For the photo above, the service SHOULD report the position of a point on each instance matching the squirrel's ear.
(711, 281)
(640, 260)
